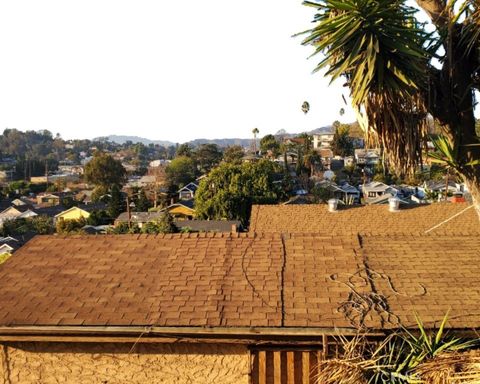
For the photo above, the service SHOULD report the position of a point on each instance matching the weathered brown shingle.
(243, 280)
(372, 219)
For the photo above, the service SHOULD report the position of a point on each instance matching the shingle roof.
(374, 219)
(242, 280)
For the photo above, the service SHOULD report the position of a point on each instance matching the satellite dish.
(305, 107)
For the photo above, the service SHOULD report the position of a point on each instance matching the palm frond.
(381, 50)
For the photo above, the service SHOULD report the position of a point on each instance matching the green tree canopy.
(230, 190)
(270, 145)
(207, 156)
(104, 170)
(184, 149)
(181, 171)
(233, 154)
(342, 144)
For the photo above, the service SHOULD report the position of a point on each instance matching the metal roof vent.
(332, 205)
(393, 204)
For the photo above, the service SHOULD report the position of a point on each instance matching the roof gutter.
(170, 334)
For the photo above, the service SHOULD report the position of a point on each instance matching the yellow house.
(73, 213)
(183, 210)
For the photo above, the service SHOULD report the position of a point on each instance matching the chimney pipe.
(393, 204)
(332, 205)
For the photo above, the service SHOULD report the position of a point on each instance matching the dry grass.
(450, 368)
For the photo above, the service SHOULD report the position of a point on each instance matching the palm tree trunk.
(473, 185)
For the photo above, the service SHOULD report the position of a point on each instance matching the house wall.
(74, 214)
(85, 363)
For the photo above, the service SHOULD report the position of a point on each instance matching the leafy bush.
(65, 227)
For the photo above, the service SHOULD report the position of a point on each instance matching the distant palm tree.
(255, 132)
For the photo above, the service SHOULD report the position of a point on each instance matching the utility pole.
(128, 213)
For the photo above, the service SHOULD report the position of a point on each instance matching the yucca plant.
(398, 73)
(403, 354)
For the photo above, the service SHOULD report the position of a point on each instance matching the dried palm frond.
(449, 368)
(349, 366)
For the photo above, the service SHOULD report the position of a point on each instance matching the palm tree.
(398, 73)
(255, 132)
(311, 159)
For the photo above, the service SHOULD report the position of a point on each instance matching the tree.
(342, 144)
(398, 74)
(115, 202)
(207, 156)
(270, 146)
(255, 132)
(181, 171)
(311, 159)
(233, 154)
(104, 170)
(230, 190)
(184, 150)
(164, 224)
(141, 202)
(65, 227)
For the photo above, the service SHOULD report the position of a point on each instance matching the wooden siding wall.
(285, 366)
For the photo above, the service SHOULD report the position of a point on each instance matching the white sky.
(170, 70)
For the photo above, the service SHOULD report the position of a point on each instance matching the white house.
(322, 140)
(375, 189)
(367, 157)
(10, 213)
(5, 248)
(187, 192)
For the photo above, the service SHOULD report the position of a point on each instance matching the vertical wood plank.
(277, 367)
(325, 346)
(305, 367)
(262, 367)
(253, 368)
(290, 368)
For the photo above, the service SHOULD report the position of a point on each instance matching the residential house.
(181, 210)
(5, 249)
(9, 213)
(8, 245)
(27, 214)
(187, 192)
(48, 199)
(367, 157)
(346, 193)
(138, 218)
(376, 189)
(73, 213)
(18, 202)
(327, 157)
(228, 308)
(323, 140)
(84, 196)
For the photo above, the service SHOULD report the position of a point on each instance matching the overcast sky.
(173, 70)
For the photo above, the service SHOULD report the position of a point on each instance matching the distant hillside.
(220, 142)
(134, 139)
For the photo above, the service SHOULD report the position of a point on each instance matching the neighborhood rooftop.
(241, 280)
(373, 219)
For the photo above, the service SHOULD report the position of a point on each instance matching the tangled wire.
(360, 304)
